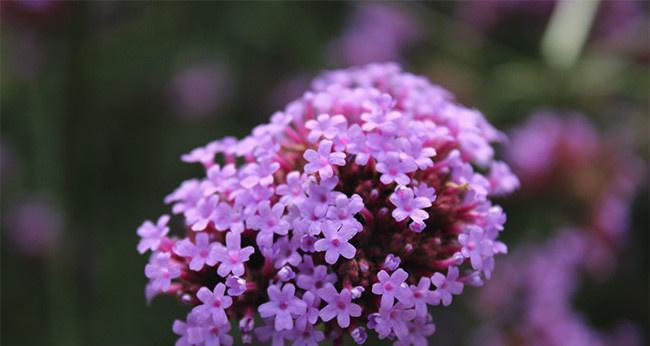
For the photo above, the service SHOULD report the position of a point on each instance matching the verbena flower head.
(357, 208)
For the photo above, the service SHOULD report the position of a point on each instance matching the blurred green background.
(100, 99)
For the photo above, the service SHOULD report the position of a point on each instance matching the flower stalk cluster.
(358, 207)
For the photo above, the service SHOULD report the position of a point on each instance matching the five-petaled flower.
(321, 161)
(407, 205)
(446, 286)
(336, 243)
(339, 305)
(284, 305)
(391, 287)
(232, 256)
(215, 303)
(161, 270)
(200, 253)
(152, 235)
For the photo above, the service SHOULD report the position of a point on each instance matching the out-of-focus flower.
(289, 89)
(554, 152)
(33, 226)
(151, 235)
(376, 32)
(199, 90)
(373, 169)
(537, 307)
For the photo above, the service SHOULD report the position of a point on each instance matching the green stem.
(567, 31)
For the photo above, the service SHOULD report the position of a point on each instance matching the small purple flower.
(502, 180)
(316, 280)
(214, 303)
(423, 296)
(391, 262)
(446, 286)
(286, 274)
(306, 335)
(380, 120)
(406, 205)
(311, 316)
(261, 173)
(215, 334)
(344, 209)
(393, 318)
(339, 305)
(152, 234)
(336, 243)
(204, 155)
(161, 270)
(357, 291)
(285, 251)
(283, 304)
(325, 126)
(391, 287)
(269, 219)
(323, 160)
(227, 218)
(476, 246)
(293, 191)
(219, 178)
(423, 190)
(307, 242)
(394, 169)
(359, 335)
(421, 154)
(232, 256)
(200, 253)
(203, 213)
(236, 285)
(418, 331)
(189, 332)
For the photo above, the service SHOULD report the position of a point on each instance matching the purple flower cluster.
(359, 206)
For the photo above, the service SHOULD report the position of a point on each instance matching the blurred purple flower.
(152, 234)
(34, 226)
(376, 32)
(200, 89)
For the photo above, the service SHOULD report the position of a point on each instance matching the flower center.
(341, 305)
(283, 306)
(388, 286)
(336, 242)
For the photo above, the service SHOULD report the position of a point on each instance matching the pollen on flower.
(362, 206)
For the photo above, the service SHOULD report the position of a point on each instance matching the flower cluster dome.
(358, 207)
